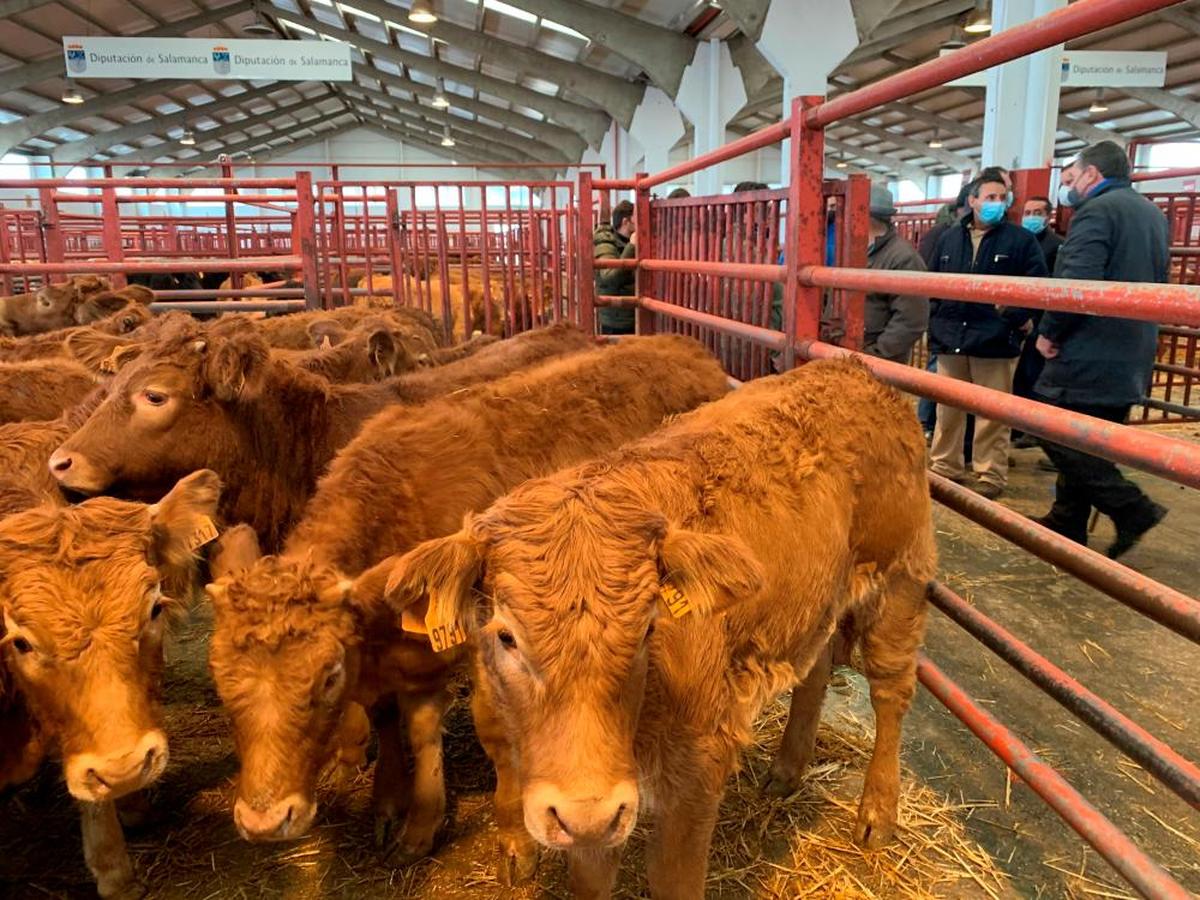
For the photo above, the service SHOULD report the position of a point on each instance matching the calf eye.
(156, 610)
(22, 646)
(505, 637)
(154, 398)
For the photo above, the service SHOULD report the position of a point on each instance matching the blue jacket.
(981, 329)
(1116, 234)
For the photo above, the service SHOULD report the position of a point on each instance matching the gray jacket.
(893, 323)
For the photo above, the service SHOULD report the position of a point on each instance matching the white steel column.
(657, 126)
(1021, 111)
(709, 95)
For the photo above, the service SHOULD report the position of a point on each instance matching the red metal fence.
(690, 277)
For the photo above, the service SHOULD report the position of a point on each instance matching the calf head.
(283, 655)
(562, 603)
(168, 412)
(84, 614)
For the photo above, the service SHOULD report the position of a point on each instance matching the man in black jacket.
(978, 342)
(1097, 365)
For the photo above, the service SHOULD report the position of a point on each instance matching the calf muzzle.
(563, 821)
(284, 820)
(96, 777)
(75, 472)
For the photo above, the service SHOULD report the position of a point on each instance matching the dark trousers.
(1029, 367)
(1085, 481)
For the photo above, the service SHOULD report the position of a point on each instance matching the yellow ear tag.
(677, 603)
(206, 532)
(443, 635)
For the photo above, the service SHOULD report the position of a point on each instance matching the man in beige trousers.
(979, 342)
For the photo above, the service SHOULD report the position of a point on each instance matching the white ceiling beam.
(905, 170)
(1182, 108)
(252, 143)
(1088, 132)
(955, 161)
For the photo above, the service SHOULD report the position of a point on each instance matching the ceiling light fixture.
(447, 141)
(71, 94)
(440, 100)
(841, 163)
(259, 26)
(1098, 105)
(980, 19)
(422, 13)
(188, 139)
(936, 142)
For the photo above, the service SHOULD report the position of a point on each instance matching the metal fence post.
(644, 278)
(854, 236)
(805, 231)
(110, 230)
(585, 270)
(304, 239)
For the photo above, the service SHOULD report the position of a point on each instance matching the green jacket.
(608, 244)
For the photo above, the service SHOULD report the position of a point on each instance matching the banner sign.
(1114, 68)
(1097, 68)
(207, 58)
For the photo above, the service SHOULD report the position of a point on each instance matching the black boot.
(1076, 533)
(1131, 528)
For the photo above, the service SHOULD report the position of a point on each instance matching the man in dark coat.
(1098, 365)
(893, 323)
(614, 241)
(978, 342)
(1035, 219)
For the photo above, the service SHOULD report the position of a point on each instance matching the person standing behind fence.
(1035, 219)
(1097, 365)
(893, 323)
(978, 342)
(614, 241)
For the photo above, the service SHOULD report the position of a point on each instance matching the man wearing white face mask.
(979, 342)
(1097, 365)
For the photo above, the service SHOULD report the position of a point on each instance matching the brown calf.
(53, 343)
(218, 401)
(291, 629)
(371, 352)
(41, 389)
(81, 648)
(634, 614)
(56, 306)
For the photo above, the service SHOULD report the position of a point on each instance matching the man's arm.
(910, 317)
(1084, 255)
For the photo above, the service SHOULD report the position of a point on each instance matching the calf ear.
(234, 365)
(137, 293)
(326, 333)
(386, 354)
(706, 572)
(431, 587)
(236, 550)
(183, 520)
(99, 306)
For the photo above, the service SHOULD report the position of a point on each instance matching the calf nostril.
(61, 464)
(95, 776)
(615, 824)
(148, 762)
(287, 820)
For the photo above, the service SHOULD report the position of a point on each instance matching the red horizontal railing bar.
(17, 183)
(133, 266)
(745, 271)
(1172, 459)
(1076, 20)
(775, 340)
(212, 306)
(610, 263)
(322, 164)
(1153, 755)
(614, 184)
(68, 197)
(231, 293)
(1147, 877)
(755, 140)
(1177, 370)
(1176, 303)
(1164, 173)
(1185, 251)
(1168, 607)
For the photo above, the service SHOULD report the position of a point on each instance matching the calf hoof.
(517, 861)
(782, 784)
(409, 847)
(126, 889)
(874, 828)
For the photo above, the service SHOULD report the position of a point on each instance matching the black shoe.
(1077, 534)
(1130, 531)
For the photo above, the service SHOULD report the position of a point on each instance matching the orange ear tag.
(677, 603)
(443, 635)
(206, 532)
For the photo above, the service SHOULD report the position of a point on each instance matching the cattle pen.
(747, 275)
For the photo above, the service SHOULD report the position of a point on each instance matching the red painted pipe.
(261, 199)
(765, 336)
(147, 182)
(1147, 877)
(755, 140)
(1173, 459)
(1165, 605)
(614, 184)
(1164, 173)
(215, 306)
(1076, 20)
(745, 271)
(610, 263)
(231, 293)
(133, 266)
(1176, 303)
(1153, 755)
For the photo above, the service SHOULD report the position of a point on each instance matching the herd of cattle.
(629, 559)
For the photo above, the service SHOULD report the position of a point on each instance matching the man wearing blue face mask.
(979, 342)
(1098, 365)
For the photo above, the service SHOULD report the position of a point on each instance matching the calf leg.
(592, 873)
(678, 845)
(105, 853)
(517, 850)
(427, 811)
(890, 657)
(391, 791)
(800, 736)
(350, 743)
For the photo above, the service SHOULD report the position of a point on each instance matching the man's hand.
(1027, 328)
(633, 238)
(1047, 347)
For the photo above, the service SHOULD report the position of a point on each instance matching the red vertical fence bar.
(304, 239)
(644, 281)
(110, 226)
(583, 236)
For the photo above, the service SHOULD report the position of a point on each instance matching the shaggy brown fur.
(218, 401)
(370, 353)
(291, 332)
(53, 343)
(84, 613)
(776, 513)
(411, 474)
(25, 449)
(41, 389)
